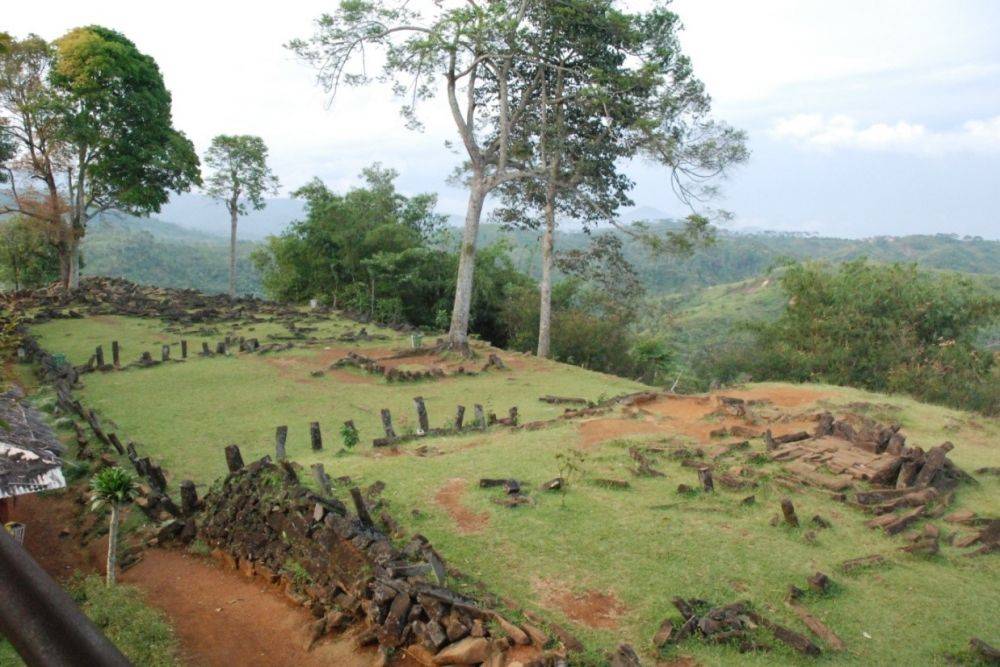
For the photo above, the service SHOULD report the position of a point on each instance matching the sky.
(865, 118)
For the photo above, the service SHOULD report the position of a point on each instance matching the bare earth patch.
(223, 619)
(591, 608)
(449, 497)
(596, 431)
(697, 417)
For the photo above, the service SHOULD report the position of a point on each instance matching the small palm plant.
(116, 488)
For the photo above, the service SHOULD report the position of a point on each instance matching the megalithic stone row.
(322, 479)
(422, 415)
(315, 437)
(205, 350)
(115, 353)
(788, 510)
(387, 424)
(361, 508)
(165, 353)
(189, 498)
(480, 416)
(116, 443)
(705, 477)
(234, 460)
(99, 353)
(184, 349)
(459, 417)
(154, 473)
(280, 437)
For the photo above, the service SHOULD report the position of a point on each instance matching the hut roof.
(29, 450)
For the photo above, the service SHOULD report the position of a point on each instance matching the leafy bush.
(349, 436)
(886, 328)
(374, 251)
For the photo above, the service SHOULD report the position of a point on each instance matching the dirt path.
(224, 619)
(221, 619)
(449, 497)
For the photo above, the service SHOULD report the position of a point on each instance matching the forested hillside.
(152, 252)
(148, 250)
(739, 256)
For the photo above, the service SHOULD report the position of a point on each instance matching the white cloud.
(820, 132)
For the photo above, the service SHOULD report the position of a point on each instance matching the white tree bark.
(74, 263)
(232, 252)
(458, 334)
(545, 287)
(113, 545)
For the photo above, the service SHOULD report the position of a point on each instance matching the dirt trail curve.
(223, 619)
(220, 618)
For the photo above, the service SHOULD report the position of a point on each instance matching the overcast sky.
(864, 117)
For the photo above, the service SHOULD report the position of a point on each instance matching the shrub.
(886, 328)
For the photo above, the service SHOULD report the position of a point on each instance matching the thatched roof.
(29, 450)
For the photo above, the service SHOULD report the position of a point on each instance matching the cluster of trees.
(549, 100)
(890, 328)
(86, 128)
(377, 252)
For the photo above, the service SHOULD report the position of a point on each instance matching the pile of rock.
(342, 567)
(102, 295)
(871, 452)
(734, 623)
(392, 374)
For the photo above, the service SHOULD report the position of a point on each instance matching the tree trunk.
(64, 266)
(458, 334)
(232, 252)
(113, 545)
(74, 263)
(545, 287)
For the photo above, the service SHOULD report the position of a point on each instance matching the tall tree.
(115, 488)
(90, 117)
(613, 86)
(472, 50)
(241, 178)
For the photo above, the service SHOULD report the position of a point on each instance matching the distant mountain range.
(203, 214)
(152, 250)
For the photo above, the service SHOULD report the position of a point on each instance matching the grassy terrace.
(605, 563)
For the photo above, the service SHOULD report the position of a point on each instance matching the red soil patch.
(596, 431)
(697, 416)
(44, 518)
(220, 618)
(591, 608)
(449, 497)
(223, 619)
(786, 397)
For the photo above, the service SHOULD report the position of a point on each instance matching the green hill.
(153, 252)
(739, 256)
(603, 559)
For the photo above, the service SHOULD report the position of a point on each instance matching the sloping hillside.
(632, 529)
(153, 252)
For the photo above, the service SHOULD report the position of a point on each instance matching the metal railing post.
(42, 621)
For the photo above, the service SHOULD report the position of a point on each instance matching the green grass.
(139, 631)
(644, 545)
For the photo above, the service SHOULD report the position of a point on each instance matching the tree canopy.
(382, 254)
(90, 118)
(240, 174)
(890, 328)
(240, 177)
